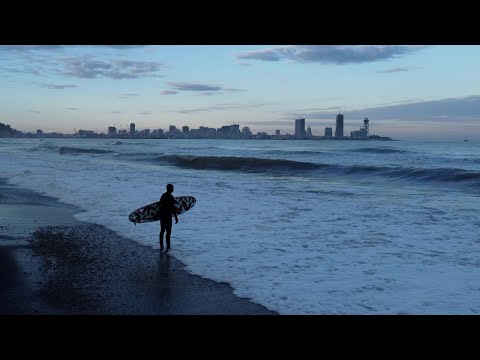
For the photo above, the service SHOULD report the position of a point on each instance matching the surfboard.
(151, 212)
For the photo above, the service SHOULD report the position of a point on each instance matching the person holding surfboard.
(167, 209)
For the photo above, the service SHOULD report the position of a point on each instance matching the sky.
(406, 91)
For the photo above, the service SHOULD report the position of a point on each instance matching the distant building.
(328, 132)
(132, 128)
(246, 131)
(185, 129)
(157, 132)
(362, 133)
(112, 130)
(339, 126)
(300, 128)
(39, 132)
(309, 132)
(229, 131)
(86, 132)
(261, 135)
(277, 132)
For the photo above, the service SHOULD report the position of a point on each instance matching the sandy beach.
(52, 264)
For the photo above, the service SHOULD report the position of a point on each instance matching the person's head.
(170, 188)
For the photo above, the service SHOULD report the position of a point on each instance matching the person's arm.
(174, 210)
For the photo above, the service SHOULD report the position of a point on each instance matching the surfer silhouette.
(167, 202)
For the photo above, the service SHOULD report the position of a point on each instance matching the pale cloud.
(201, 88)
(25, 70)
(125, 96)
(222, 107)
(467, 108)
(27, 48)
(89, 68)
(393, 70)
(330, 54)
(186, 86)
(56, 86)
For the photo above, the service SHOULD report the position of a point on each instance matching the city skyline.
(233, 131)
(417, 92)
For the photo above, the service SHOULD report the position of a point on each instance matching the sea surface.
(301, 227)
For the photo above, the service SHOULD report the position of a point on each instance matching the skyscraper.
(132, 128)
(339, 126)
(328, 132)
(300, 128)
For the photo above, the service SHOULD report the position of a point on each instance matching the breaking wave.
(234, 163)
(249, 164)
(72, 150)
(379, 150)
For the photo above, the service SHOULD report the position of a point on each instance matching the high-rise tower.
(300, 128)
(339, 126)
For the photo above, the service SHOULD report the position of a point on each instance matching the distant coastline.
(118, 137)
(231, 132)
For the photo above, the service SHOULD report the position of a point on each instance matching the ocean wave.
(48, 146)
(282, 166)
(235, 163)
(72, 150)
(295, 152)
(379, 150)
(437, 174)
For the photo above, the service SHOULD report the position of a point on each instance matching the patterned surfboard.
(151, 212)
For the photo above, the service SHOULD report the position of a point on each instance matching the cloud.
(188, 111)
(201, 89)
(54, 86)
(392, 70)
(169, 92)
(22, 71)
(117, 112)
(234, 90)
(89, 68)
(145, 113)
(222, 107)
(72, 109)
(124, 47)
(184, 86)
(27, 48)
(124, 96)
(330, 54)
(209, 93)
(35, 112)
(451, 109)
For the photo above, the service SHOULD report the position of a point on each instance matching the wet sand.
(51, 264)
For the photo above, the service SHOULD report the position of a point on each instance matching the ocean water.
(301, 227)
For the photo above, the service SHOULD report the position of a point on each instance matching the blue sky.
(407, 92)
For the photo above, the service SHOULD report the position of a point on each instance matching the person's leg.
(162, 231)
(168, 227)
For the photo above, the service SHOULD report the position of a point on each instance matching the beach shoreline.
(52, 264)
